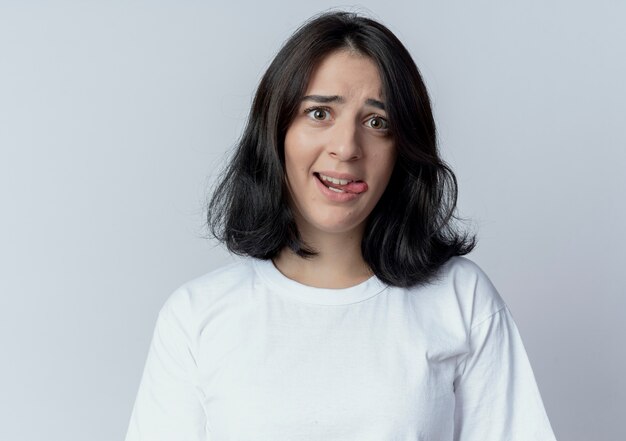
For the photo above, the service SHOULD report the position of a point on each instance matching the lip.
(338, 175)
(333, 195)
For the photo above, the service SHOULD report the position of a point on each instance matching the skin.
(347, 135)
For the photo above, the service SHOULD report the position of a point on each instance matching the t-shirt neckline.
(268, 272)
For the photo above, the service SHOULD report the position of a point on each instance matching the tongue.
(355, 187)
(350, 187)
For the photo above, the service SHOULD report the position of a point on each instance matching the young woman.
(351, 314)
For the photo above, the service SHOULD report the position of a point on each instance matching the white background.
(115, 117)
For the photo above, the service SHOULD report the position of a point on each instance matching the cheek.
(296, 168)
(384, 163)
(299, 154)
(291, 154)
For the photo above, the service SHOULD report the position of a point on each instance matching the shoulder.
(210, 289)
(463, 269)
(471, 288)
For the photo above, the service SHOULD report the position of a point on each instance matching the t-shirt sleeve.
(496, 394)
(168, 405)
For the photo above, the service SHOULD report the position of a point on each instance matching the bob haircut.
(409, 234)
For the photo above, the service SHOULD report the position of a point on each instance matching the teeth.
(336, 190)
(334, 180)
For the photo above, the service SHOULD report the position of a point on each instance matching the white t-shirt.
(244, 353)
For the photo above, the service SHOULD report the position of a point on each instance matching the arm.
(168, 404)
(497, 397)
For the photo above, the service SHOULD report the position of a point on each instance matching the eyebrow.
(339, 99)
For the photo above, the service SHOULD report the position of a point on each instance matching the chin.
(338, 228)
(331, 222)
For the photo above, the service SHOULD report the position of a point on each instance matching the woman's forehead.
(346, 75)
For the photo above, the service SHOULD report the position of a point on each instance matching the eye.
(318, 113)
(378, 122)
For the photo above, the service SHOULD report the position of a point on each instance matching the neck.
(339, 263)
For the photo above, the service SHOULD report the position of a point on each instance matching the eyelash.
(326, 109)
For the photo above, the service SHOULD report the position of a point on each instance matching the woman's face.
(339, 154)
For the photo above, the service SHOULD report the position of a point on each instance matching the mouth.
(340, 185)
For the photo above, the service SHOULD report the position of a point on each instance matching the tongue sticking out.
(354, 187)
(350, 187)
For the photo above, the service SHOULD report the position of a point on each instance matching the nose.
(344, 142)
